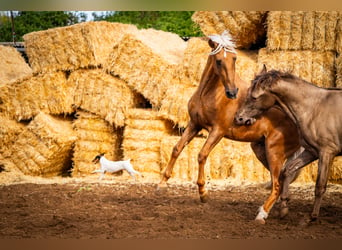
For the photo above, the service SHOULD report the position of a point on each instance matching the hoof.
(260, 221)
(283, 212)
(204, 197)
(161, 188)
(268, 185)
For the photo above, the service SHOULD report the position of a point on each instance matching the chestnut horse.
(212, 107)
(316, 112)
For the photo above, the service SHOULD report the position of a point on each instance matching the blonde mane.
(224, 41)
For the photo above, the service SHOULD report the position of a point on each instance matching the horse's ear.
(264, 69)
(211, 43)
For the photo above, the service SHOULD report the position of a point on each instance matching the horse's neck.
(296, 97)
(208, 77)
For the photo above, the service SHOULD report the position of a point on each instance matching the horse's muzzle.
(239, 120)
(231, 94)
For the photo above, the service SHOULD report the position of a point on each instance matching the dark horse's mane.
(265, 80)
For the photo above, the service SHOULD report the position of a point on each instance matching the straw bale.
(81, 45)
(338, 64)
(94, 136)
(174, 106)
(13, 66)
(246, 27)
(9, 131)
(143, 133)
(49, 93)
(302, 30)
(146, 61)
(190, 69)
(102, 94)
(313, 66)
(44, 147)
(339, 34)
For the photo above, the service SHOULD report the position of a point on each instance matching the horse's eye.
(218, 62)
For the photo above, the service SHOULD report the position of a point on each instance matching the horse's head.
(223, 61)
(258, 100)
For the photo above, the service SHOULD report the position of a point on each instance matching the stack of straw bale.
(146, 60)
(302, 30)
(303, 43)
(102, 94)
(174, 106)
(246, 27)
(143, 133)
(44, 148)
(49, 93)
(68, 48)
(13, 66)
(313, 66)
(94, 136)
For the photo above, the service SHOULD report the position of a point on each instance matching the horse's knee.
(175, 152)
(320, 190)
(202, 158)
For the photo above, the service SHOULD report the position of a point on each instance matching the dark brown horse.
(316, 112)
(213, 106)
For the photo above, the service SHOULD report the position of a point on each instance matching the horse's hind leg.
(324, 163)
(291, 170)
(213, 138)
(190, 132)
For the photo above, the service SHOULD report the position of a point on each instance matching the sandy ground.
(119, 208)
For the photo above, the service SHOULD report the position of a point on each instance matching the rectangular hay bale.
(316, 67)
(49, 93)
(13, 66)
(146, 61)
(94, 136)
(68, 48)
(143, 133)
(102, 94)
(44, 147)
(303, 30)
(246, 27)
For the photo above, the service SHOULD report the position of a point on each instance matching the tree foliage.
(29, 21)
(178, 22)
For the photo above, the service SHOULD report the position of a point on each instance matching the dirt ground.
(118, 208)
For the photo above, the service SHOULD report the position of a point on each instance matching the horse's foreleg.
(187, 136)
(274, 151)
(275, 164)
(213, 138)
(290, 170)
(324, 163)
